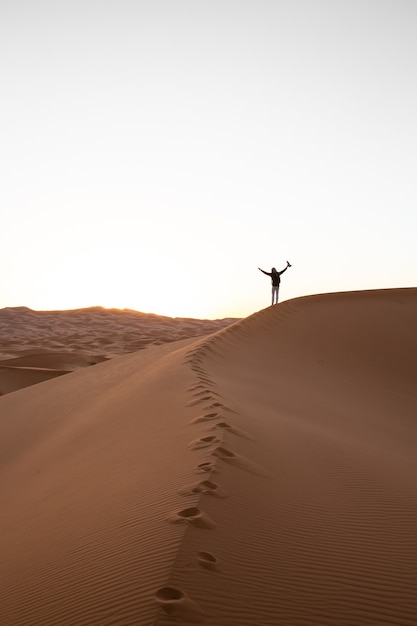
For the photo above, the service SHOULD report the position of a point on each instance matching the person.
(275, 279)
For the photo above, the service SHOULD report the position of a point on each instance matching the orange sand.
(263, 475)
(39, 345)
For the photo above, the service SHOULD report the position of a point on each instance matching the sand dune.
(40, 345)
(15, 378)
(36, 366)
(262, 475)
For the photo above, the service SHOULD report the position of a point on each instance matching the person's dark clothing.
(275, 276)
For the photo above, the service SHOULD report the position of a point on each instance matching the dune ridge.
(330, 539)
(265, 474)
(40, 345)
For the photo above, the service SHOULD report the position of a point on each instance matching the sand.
(264, 474)
(40, 345)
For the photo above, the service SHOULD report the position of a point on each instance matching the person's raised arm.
(285, 268)
(263, 272)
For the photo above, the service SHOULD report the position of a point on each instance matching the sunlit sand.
(264, 473)
(39, 345)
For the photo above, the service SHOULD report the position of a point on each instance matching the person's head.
(274, 271)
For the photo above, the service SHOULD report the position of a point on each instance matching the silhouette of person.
(275, 279)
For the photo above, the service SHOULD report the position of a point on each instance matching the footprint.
(224, 453)
(206, 381)
(207, 487)
(216, 405)
(189, 359)
(203, 442)
(204, 418)
(196, 387)
(204, 392)
(207, 350)
(201, 387)
(208, 561)
(199, 400)
(239, 461)
(177, 604)
(208, 467)
(193, 516)
(233, 429)
(219, 405)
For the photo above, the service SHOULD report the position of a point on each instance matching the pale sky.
(154, 154)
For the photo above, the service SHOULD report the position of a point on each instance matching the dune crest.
(40, 345)
(301, 419)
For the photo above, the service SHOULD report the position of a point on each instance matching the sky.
(154, 154)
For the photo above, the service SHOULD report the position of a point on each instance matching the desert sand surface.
(40, 345)
(265, 474)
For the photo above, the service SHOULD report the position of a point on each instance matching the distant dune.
(39, 345)
(262, 475)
